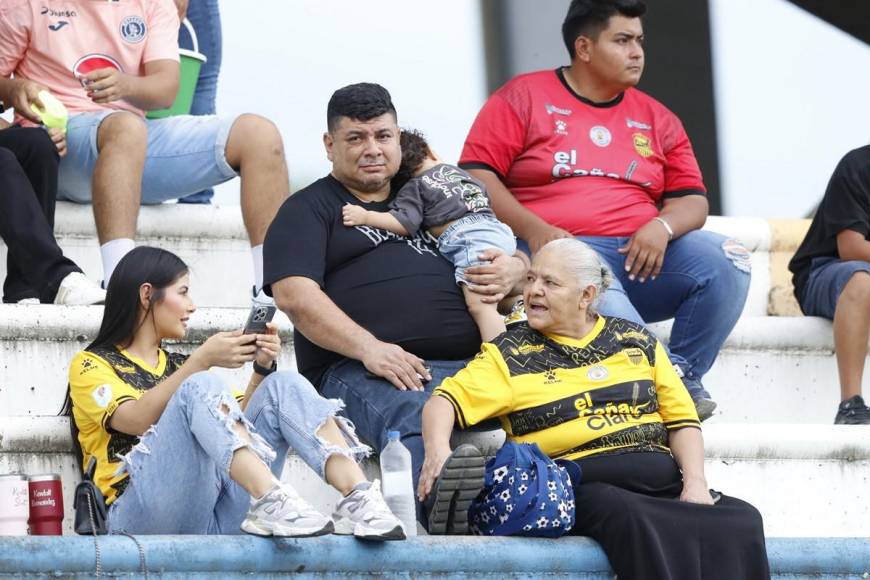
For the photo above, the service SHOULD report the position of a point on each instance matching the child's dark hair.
(415, 150)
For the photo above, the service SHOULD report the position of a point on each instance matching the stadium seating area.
(771, 441)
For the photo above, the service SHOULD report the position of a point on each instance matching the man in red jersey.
(578, 151)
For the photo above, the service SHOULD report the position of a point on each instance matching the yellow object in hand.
(54, 116)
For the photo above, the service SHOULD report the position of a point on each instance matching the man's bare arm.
(685, 214)
(852, 245)
(645, 250)
(525, 224)
(20, 94)
(316, 316)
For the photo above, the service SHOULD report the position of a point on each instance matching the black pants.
(630, 505)
(28, 186)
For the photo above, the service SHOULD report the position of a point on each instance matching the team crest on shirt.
(102, 395)
(133, 29)
(600, 135)
(642, 144)
(635, 355)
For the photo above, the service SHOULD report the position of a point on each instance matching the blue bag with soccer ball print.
(525, 493)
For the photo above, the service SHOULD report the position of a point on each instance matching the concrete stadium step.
(807, 480)
(213, 242)
(211, 239)
(441, 557)
(43, 444)
(775, 369)
(771, 369)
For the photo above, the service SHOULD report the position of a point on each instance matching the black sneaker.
(853, 412)
(704, 407)
(460, 481)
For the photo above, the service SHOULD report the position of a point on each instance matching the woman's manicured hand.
(226, 349)
(268, 346)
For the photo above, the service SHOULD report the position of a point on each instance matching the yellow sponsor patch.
(629, 334)
(642, 145)
(526, 349)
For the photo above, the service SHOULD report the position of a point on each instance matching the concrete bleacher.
(770, 442)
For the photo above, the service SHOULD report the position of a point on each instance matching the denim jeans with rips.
(179, 470)
(375, 406)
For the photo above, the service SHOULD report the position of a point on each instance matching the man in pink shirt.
(109, 62)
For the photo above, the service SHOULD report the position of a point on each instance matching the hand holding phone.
(260, 315)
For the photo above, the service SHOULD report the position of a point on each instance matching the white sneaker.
(260, 298)
(282, 512)
(365, 514)
(28, 301)
(76, 289)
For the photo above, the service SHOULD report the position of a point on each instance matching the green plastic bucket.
(191, 62)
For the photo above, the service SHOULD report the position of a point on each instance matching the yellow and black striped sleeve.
(675, 405)
(481, 390)
(96, 390)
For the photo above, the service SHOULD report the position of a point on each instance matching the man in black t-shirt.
(832, 275)
(378, 318)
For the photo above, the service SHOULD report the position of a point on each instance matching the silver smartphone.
(257, 319)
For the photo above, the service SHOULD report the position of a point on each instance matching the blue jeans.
(375, 406)
(179, 471)
(205, 17)
(471, 235)
(703, 286)
(828, 276)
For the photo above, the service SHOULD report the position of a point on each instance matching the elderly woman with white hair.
(602, 392)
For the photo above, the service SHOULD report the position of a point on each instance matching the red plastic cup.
(92, 62)
(46, 505)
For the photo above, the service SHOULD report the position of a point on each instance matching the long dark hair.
(143, 265)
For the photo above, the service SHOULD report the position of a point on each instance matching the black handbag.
(90, 506)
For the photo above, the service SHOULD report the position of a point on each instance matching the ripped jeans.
(179, 470)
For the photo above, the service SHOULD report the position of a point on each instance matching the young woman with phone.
(177, 452)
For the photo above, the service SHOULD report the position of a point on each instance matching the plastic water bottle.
(398, 485)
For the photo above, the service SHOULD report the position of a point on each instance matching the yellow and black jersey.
(613, 390)
(100, 380)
